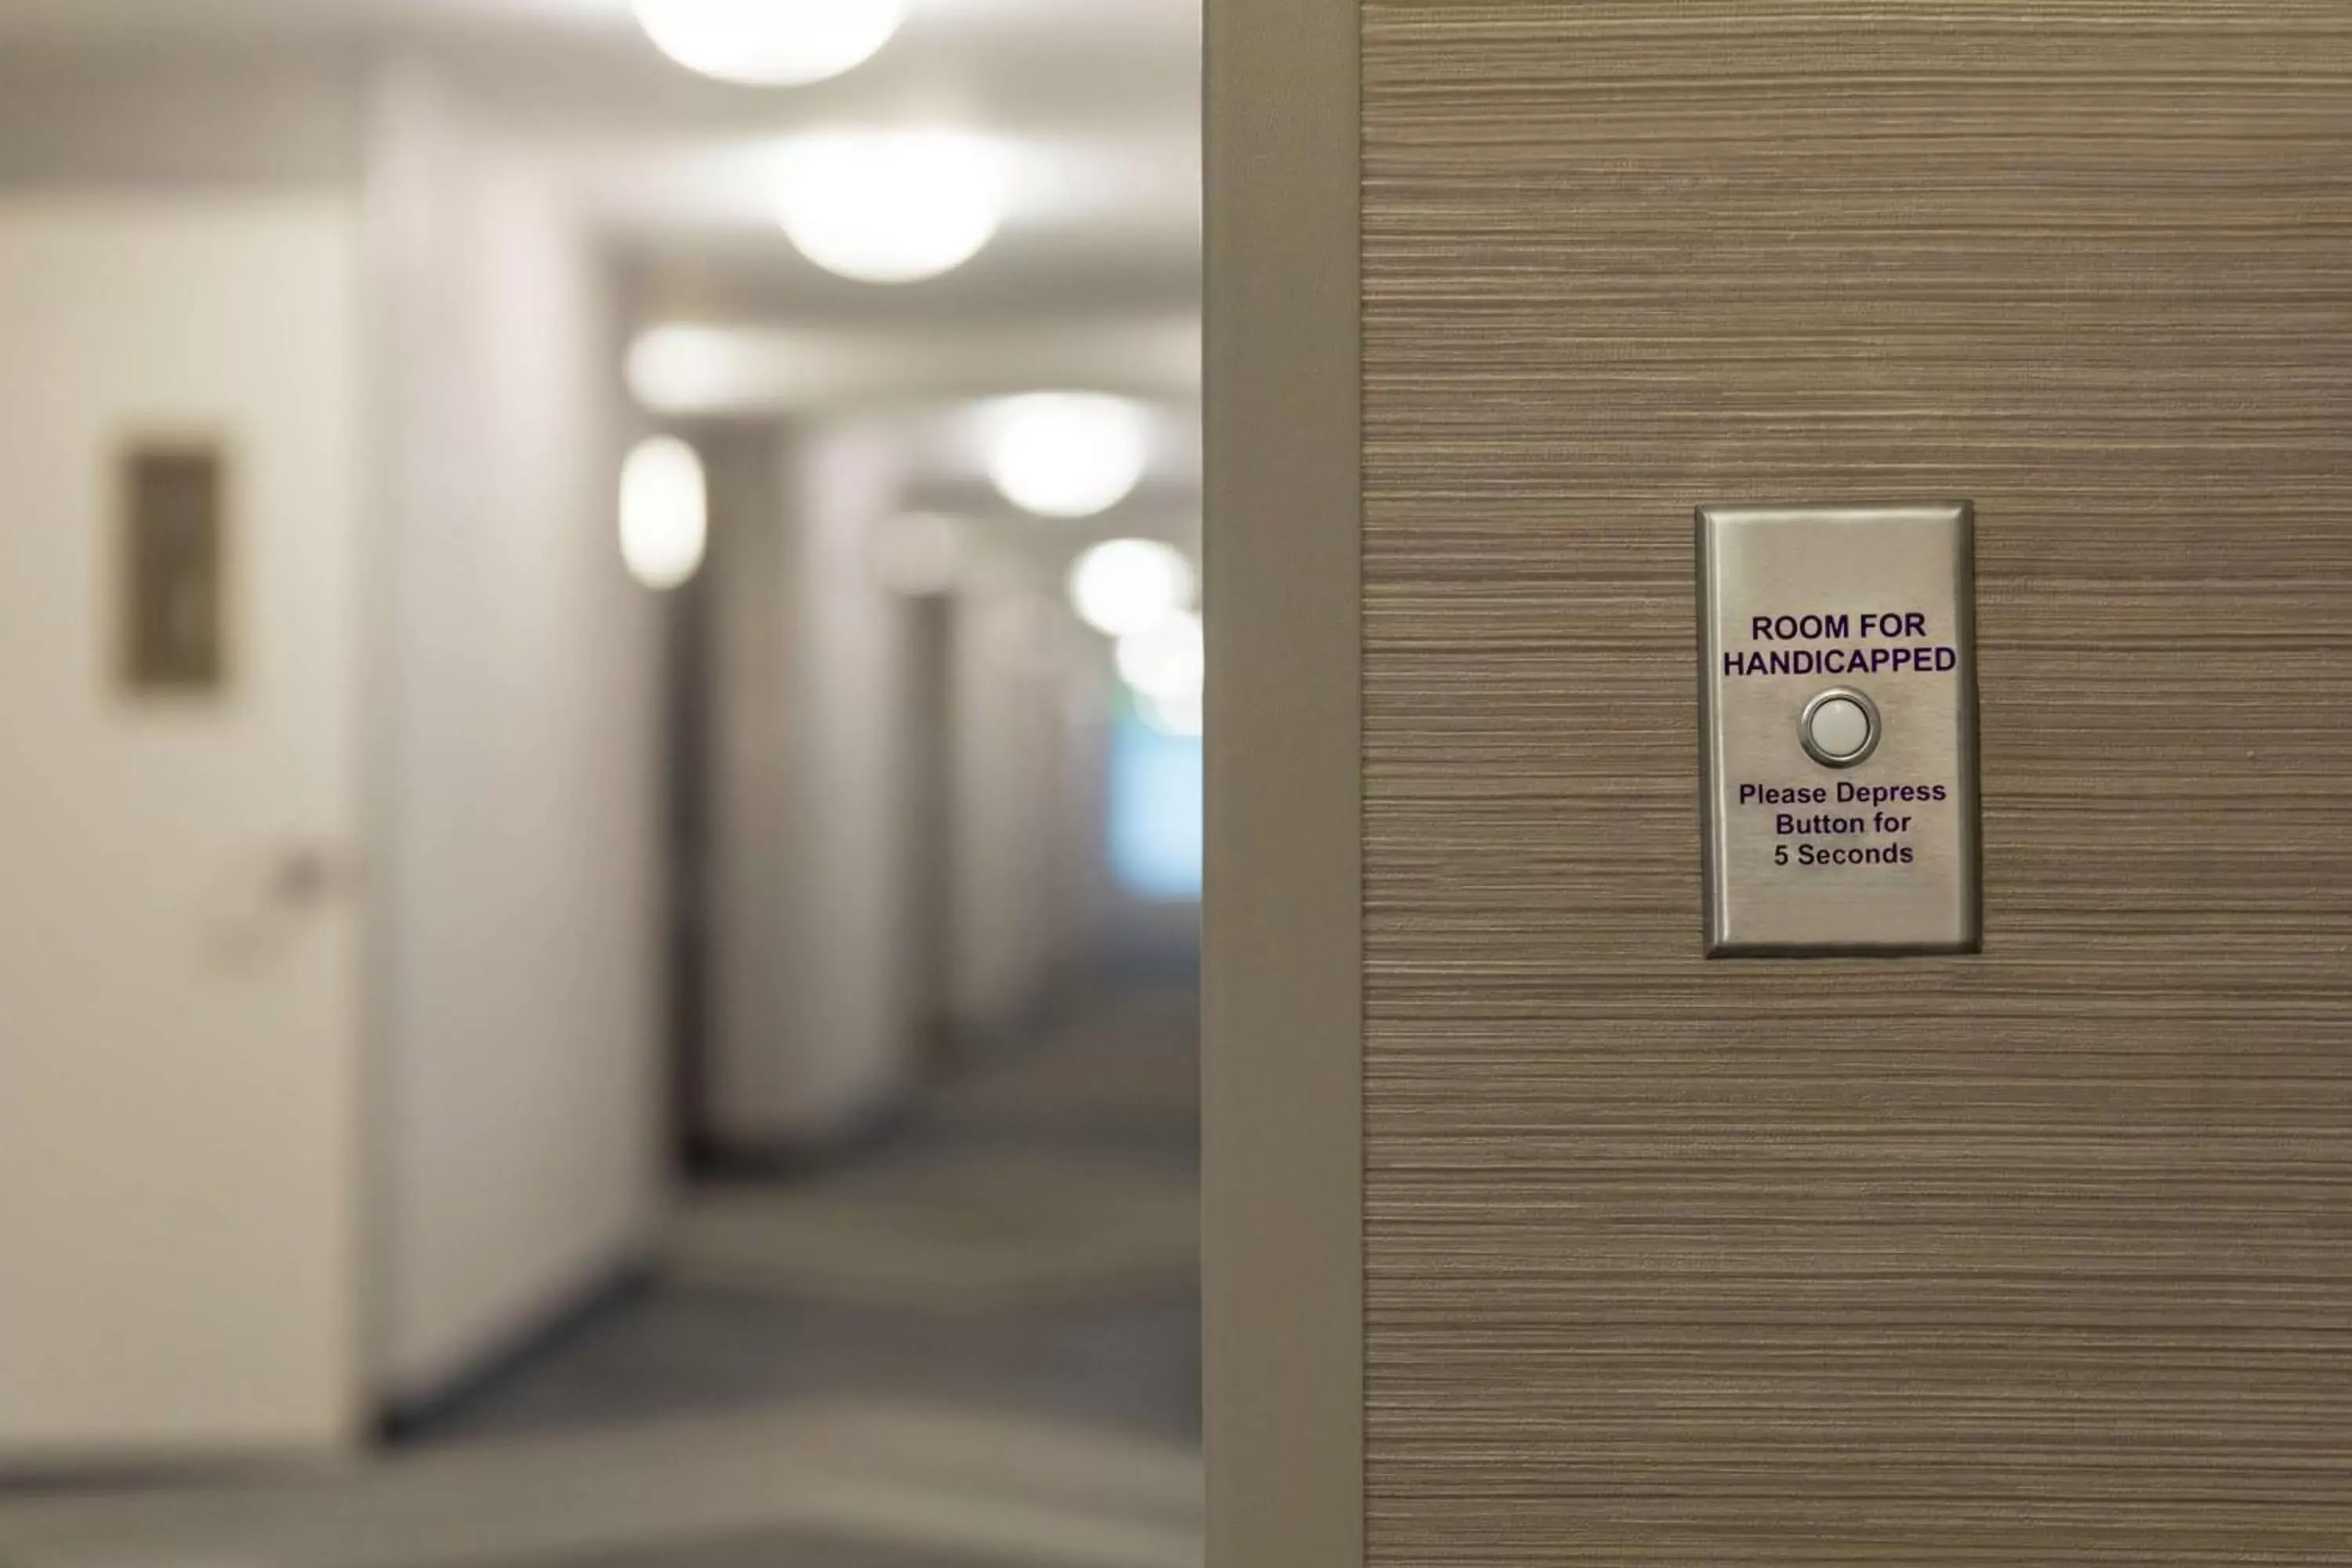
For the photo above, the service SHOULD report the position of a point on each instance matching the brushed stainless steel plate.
(1839, 710)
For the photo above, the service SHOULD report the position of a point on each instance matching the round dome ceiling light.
(1179, 718)
(1067, 454)
(1165, 661)
(1130, 585)
(770, 43)
(891, 206)
(665, 512)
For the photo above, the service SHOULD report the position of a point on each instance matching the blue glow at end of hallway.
(1155, 811)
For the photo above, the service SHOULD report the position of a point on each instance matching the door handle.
(255, 910)
(305, 876)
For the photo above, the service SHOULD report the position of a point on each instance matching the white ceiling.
(1086, 23)
(1097, 100)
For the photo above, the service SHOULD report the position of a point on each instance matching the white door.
(179, 1031)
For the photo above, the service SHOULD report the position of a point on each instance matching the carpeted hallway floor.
(974, 1347)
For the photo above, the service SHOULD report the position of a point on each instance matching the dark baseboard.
(414, 1418)
(710, 1157)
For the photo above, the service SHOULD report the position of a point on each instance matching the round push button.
(1839, 729)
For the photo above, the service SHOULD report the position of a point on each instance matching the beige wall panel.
(1281, 959)
(2042, 1257)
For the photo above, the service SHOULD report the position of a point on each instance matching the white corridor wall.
(815, 1002)
(519, 763)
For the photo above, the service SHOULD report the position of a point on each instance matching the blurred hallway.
(1026, 1240)
(977, 1342)
(601, 634)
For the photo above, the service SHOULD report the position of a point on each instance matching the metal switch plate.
(1840, 723)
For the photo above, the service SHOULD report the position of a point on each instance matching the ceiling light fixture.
(1181, 718)
(1130, 585)
(1066, 454)
(1165, 662)
(891, 206)
(770, 43)
(686, 369)
(665, 512)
